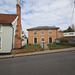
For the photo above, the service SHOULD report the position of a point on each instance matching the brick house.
(46, 34)
(60, 34)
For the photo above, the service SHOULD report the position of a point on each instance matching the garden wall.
(17, 51)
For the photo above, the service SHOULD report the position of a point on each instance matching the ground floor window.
(42, 39)
(0, 43)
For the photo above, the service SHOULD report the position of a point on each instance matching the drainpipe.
(12, 36)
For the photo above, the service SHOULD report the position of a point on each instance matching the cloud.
(41, 12)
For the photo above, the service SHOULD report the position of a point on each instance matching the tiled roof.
(7, 18)
(43, 27)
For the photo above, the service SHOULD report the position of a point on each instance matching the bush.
(62, 40)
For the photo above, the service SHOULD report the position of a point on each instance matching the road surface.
(62, 63)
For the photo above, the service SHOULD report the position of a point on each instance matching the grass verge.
(33, 46)
(56, 46)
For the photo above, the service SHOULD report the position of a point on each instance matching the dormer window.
(35, 32)
(50, 31)
(42, 32)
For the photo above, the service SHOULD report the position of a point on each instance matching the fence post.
(50, 46)
(43, 45)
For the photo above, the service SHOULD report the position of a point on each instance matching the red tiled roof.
(7, 18)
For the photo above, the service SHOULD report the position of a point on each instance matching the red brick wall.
(25, 50)
(18, 28)
(59, 34)
(46, 36)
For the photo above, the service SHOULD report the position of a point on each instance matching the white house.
(10, 31)
(70, 36)
(24, 39)
(8, 24)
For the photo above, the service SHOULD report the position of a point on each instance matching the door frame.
(33, 40)
(48, 40)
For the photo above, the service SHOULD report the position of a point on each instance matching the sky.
(40, 12)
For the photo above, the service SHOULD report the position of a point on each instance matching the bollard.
(50, 46)
(43, 45)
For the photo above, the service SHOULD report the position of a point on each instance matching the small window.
(35, 32)
(42, 39)
(0, 43)
(42, 32)
(50, 31)
(70, 33)
(0, 27)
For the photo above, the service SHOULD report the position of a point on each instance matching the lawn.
(34, 46)
(56, 46)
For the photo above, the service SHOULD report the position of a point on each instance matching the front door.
(35, 40)
(50, 39)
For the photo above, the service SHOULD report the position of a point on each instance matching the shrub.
(62, 40)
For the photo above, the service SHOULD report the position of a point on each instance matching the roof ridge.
(8, 14)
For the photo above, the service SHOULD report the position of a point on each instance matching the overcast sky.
(41, 12)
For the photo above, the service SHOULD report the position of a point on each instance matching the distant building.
(24, 39)
(70, 36)
(46, 34)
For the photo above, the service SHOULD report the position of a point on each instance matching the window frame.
(43, 38)
(50, 31)
(41, 32)
(34, 32)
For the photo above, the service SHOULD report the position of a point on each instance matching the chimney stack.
(18, 27)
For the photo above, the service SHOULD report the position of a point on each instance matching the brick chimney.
(18, 27)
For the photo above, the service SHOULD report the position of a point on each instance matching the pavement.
(37, 53)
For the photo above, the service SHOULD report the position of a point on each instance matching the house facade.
(70, 36)
(46, 34)
(10, 31)
(60, 34)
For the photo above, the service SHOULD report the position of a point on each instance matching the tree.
(69, 29)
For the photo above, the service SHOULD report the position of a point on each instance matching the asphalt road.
(49, 64)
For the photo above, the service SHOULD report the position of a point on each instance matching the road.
(62, 63)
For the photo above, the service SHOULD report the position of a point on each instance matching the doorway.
(35, 40)
(50, 39)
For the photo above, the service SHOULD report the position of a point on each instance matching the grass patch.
(34, 46)
(56, 46)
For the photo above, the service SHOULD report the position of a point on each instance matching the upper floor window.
(35, 32)
(0, 27)
(42, 32)
(50, 31)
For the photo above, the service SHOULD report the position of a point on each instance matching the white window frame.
(1, 44)
(43, 32)
(1, 27)
(50, 31)
(41, 39)
(35, 31)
